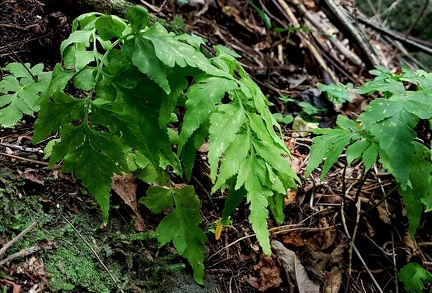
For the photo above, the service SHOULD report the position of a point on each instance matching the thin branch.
(412, 26)
(26, 159)
(356, 250)
(21, 253)
(18, 58)
(397, 36)
(95, 254)
(20, 235)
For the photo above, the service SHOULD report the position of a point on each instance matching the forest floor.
(64, 224)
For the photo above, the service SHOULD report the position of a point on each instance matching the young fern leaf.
(19, 91)
(363, 148)
(417, 197)
(181, 225)
(330, 144)
(203, 96)
(138, 18)
(172, 52)
(252, 155)
(220, 135)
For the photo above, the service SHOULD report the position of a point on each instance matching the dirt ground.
(55, 255)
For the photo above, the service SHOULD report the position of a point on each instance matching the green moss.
(73, 267)
(134, 259)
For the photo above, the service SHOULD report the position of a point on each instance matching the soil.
(67, 216)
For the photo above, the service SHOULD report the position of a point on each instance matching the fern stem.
(98, 73)
(382, 199)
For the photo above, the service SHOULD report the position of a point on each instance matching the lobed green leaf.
(181, 225)
(203, 96)
(145, 59)
(67, 109)
(109, 27)
(413, 275)
(393, 128)
(19, 91)
(138, 18)
(224, 125)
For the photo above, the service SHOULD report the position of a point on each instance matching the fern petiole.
(100, 66)
(381, 200)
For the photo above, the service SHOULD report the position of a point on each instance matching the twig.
(319, 25)
(354, 234)
(415, 22)
(154, 8)
(18, 147)
(305, 40)
(16, 56)
(348, 23)
(21, 253)
(356, 250)
(381, 200)
(95, 254)
(20, 235)
(397, 36)
(25, 159)
(272, 229)
(391, 230)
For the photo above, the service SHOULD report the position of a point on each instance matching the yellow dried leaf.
(218, 232)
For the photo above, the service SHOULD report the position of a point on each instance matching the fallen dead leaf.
(369, 229)
(293, 239)
(218, 232)
(315, 262)
(383, 215)
(337, 254)
(125, 186)
(29, 174)
(203, 148)
(290, 196)
(333, 280)
(328, 235)
(269, 274)
(294, 269)
(411, 246)
(296, 161)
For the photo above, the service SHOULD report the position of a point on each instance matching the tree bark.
(74, 8)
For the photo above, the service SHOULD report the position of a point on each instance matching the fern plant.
(386, 131)
(120, 85)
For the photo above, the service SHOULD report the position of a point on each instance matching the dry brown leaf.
(15, 287)
(296, 162)
(203, 148)
(294, 269)
(290, 142)
(269, 275)
(383, 215)
(218, 232)
(333, 280)
(125, 186)
(369, 229)
(412, 247)
(29, 175)
(316, 262)
(328, 235)
(290, 196)
(293, 239)
(337, 254)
